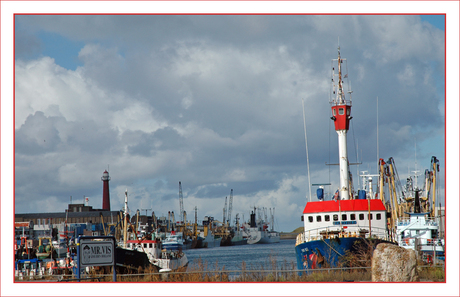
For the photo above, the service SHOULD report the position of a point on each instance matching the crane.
(230, 202)
(225, 211)
(181, 203)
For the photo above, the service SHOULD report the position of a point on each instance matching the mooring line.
(331, 247)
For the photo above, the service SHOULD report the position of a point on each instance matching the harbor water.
(255, 256)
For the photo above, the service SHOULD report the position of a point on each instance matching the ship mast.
(341, 110)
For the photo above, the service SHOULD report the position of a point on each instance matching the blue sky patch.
(437, 20)
(63, 50)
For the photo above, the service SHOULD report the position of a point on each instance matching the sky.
(215, 101)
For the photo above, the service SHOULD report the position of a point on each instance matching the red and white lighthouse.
(105, 191)
(341, 115)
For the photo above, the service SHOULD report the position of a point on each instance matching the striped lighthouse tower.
(105, 191)
(341, 115)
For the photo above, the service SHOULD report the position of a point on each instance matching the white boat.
(173, 241)
(420, 232)
(161, 258)
(258, 232)
(142, 252)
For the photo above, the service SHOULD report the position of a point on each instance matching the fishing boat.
(173, 241)
(144, 252)
(239, 238)
(257, 231)
(420, 232)
(342, 226)
(211, 240)
(161, 258)
(416, 226)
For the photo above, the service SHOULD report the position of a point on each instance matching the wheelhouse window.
(333, 112)
(370, 216)
(341, 111)
(352, 217)
(318, 218)
(361, 216)
(327, 218)
(336, 217)
(344, 217)
(310, 219)
(379, 216)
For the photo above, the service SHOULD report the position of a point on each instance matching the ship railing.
(430, 221)
(410, 241)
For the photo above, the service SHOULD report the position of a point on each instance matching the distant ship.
(257, 231)
(174, 241)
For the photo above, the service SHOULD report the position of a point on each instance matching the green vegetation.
(298, 230)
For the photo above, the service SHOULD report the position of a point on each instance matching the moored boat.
(239, 239)
(420, 232)
(143, 252)
(173, 241)
(210, 240)
(257, 231)
(161, 258)
(341, 227)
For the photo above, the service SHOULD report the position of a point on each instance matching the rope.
(332, 247)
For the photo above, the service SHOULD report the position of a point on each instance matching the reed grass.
(269, 271)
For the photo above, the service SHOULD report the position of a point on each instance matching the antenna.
(377, 133)
(306, 148)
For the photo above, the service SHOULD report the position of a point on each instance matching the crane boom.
(181, 203)
(225, 211)
(230, 202)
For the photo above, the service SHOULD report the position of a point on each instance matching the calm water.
(255, 256)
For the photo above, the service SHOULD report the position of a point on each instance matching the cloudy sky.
(215, 101)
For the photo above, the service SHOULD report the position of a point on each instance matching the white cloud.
(216, 107)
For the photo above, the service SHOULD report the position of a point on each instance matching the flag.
(336, 195)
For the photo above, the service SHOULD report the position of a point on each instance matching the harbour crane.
(225, 211)
(230, 202)
(181, 203)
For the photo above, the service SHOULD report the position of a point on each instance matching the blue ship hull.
(172, 246)
(330, 253)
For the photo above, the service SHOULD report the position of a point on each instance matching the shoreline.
(290, 235)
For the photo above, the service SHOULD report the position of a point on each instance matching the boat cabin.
(344, 218)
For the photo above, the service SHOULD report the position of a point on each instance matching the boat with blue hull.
(173, 241)
(344, 228)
